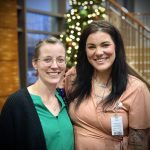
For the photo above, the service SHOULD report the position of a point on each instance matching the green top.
(58, 131)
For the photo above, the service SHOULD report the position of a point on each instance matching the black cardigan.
(20, 127)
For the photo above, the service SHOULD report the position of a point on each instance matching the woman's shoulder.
(71, 71)
(69, 78)
(15, 97)
(136, 92)
(19, 93)
(135, 82)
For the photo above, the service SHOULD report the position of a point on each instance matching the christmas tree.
(82, 13)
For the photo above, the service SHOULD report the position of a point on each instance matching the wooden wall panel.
(8, 45)
(9, 74)
(8, 13)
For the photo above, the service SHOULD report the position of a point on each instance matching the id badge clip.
(117, 122)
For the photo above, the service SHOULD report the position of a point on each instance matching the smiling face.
(100, 50)
(51, 63)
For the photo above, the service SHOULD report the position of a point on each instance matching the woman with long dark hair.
(109, 108)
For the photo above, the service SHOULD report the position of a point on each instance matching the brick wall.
(9, 78)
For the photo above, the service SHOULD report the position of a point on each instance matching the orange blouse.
(92, 125)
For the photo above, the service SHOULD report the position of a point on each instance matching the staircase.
(136, 38)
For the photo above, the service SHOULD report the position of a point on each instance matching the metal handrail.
(136, 38)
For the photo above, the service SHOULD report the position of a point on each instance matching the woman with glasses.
(35, 117)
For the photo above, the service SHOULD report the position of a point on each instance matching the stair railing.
(136, 38)
(143, 17)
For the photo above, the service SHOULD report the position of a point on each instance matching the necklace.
(99, 98)
(100, 91)
(101, 85)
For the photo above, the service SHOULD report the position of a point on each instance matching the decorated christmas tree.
(82, 13)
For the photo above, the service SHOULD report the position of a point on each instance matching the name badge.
(117, 125)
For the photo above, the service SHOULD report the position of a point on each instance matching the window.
(38, 19)
(46, 5)
(41, 22)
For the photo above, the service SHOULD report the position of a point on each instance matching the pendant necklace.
(101, 90)
(99, 97)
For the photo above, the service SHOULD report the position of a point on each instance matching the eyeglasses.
(50, 60)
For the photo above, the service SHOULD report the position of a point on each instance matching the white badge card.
(117, 125)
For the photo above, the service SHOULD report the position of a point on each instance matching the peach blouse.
(92, 125)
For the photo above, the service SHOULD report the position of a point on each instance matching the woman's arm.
(139, 139)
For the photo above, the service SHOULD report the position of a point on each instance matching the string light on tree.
(82, 13)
